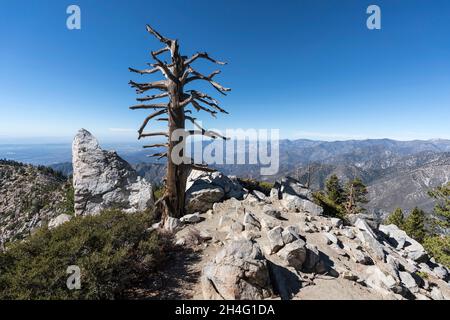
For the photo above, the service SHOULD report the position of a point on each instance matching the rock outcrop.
(238, 271)
(260, 248)
(102, 179)
(203, 189)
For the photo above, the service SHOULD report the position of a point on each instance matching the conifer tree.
(396, 218)
(442, 207)
(355, 195)
(414, 225)
(334, 189)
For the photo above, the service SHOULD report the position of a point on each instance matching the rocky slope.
(280, 246)
(29, 198)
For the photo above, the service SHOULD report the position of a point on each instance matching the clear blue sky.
(309, 68)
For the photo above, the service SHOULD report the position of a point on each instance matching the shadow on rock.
(285, 283)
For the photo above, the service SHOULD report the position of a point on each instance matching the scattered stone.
(440, 272)
(261, 196)
(225, 222)
(274, 194)
(348, 275)
(377, 279)
(181, 242)
(191, 218)
(396, 237)
(371, 219)
(288, 237)
(290, 186)
(420, 296)
(238, 272)
(268, 223)
(201, 196)
(312, 258)
(336, 222)
(205, 235)
(172, 224)
(338, 250)
(294, 203)
(348, 233)
(275, 239)
(359, 256)
(408, 281)
(330, 238)
(294, 253)
(436, 294)
(59, 220)
(251, 222)
(270, 211)
(371, 243)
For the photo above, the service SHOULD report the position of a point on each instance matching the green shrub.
(414, 225)
(158, 191)
(330, 208)
(396, 218)
(439, 248)
(113, 250)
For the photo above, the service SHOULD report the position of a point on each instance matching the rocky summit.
(280, 246)
(102, 179)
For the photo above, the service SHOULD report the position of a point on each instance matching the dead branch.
(145, 71)
(153, 134)
(203, 95)
(142, 87)
(207, 133)
(199, 107)
(203, 55)
(155, 96)
(158, 36)
(159, 155)
(156, 145)
(150, 106)
(151, 116)
(199, 76)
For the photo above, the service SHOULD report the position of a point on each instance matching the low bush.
(114, 251)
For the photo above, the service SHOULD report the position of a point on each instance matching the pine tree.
(414, 225)
(442, 207)
(396, 218)
(355, 195)
(334, 190)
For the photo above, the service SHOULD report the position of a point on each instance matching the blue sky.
(310, 68)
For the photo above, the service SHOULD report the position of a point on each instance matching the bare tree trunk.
(176, 174)
(177, 73)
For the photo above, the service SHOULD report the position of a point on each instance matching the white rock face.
(59, 220)
(203, 189)
(102, 179)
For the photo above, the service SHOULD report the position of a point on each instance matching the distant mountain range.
(398, 173)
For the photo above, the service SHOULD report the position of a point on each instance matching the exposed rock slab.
(103, 180)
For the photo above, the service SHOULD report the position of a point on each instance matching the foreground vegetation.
(114, 251)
